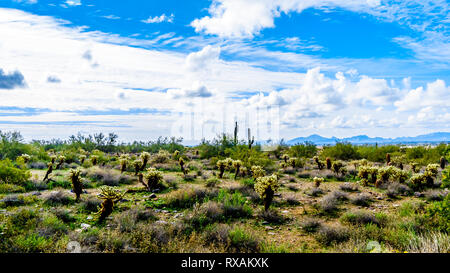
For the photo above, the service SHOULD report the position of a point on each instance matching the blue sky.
(335, 68)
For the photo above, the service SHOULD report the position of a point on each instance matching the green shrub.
(438, 214)
(11, 175)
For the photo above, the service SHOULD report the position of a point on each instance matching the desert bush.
(212, 182)
(432, 242)
(360, 217)
(395, 189)
(271, 216)
(305, 150)
(234, 205)
(91, 204)
(435, 195)
(361, 199)
(11, 188)
(162, 156)
(310, 225)
(38, 165)
(332, 234)
(217, 234)
(243, 241)
(186, 198)
(341, 151)
(58, 198)
(349, 187)
(314, 192)
(9, 174)
(108, 177)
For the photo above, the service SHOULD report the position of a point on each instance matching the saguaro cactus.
(235, 142)
(251, 139)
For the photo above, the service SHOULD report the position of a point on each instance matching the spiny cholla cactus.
(336, 166)
(318, 181)
(53, 158)
(363, 172)
(285, 157)
(153, 178)
(364, 162)
(319, 163)
(61, 161)
(137, 166)
(237, 166)
(82, 159)
(266, 187)
(228, 162)
(145, 157)
(49, 171)
(414, 167)
(328, 161)
(418, 181)
(400, 175)
(181, 161)
(244, 171)
(25, 157)
(384, 173)
(283, 165)
(77, 185)
(123, 160)
(94, 159)
(258, 171)
(110, 196)
(293, 162)
(221, 164)
(431, 172)
(176, 154)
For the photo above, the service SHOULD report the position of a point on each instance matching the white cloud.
(436, 94)
(198, 90)
(73, 2)
(159, 19)
(203, 58)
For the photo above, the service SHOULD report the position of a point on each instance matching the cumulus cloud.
(435, 94)
(73, 2)
(245, 18)
(11, 80)
(198, 90)
(53, 79)
(159, 19)
(203, 58)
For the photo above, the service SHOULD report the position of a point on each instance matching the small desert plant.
(336, 166)
(348, 187)
(109, 195)
(361, 199)
(285, 157)
(77, 185)
(395, 189)
(318, 181)
(310, 225)
(266, 187)
(82, 159)
(26, 158)
(181, 161)
(330, 234)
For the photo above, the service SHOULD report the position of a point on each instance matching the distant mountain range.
(363, 139)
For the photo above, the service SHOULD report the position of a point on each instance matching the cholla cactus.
(417, 181)
(414, 166)
(244, 171)
(373, 171)
(285, 157)
(266, 187)
(384, 173)
(49, 171)
(343, 171)
(123, 160)
(228, 162)
(26, 158)
(53, 158)
(400, 175)
(336, 166)
(328, 161)
(94, 159)
(221, 164)
(283, 165)
(181, 161)
(431, 172)
(318, 181)
(364, 162)
(237, 166)
(110, 196)
(363, 172)
(77, 185)
(137, 166)
(293, 162)
(82, 159)
(258, 171)
(144, 157)
(319, 163)
(61, 161)
(388, 158)
(176, 154)
(153, 178)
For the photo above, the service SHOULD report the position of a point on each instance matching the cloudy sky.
(285, 68)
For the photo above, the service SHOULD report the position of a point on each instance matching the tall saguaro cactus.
(251, 139)
(235, 134)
